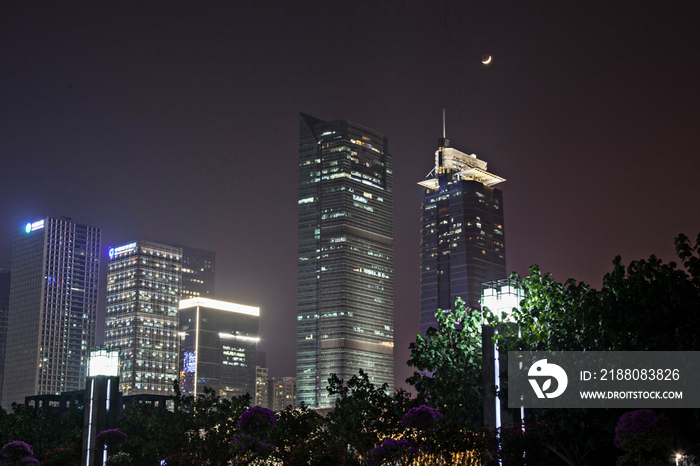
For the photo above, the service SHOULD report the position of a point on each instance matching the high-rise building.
(198, 267)
(345, 310)
(218, 344)
(283, 392)
(462, 233)
(143, 292)
(262, 395)
(4, 309)
(52, 309)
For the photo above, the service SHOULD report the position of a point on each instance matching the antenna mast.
(443, 124)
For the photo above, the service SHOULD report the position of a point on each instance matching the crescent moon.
(486, 61)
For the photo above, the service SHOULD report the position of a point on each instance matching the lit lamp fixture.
(103, 360)
(101, 401)
(501, 297)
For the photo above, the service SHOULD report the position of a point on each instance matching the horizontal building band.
(346, 343)
(358, 232)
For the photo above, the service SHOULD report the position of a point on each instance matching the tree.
(646, 306)
(203, 426)
(296, 430)
(364, 414)
(450, 378)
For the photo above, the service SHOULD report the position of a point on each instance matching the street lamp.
(101, 400)
(501, 297)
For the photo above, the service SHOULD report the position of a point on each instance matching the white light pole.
(501, 297)
(101, 400)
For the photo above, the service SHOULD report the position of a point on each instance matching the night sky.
(177, 122)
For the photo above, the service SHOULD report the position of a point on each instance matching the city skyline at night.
(180, 125)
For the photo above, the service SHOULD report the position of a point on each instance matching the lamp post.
(101, 401)
(501, 297)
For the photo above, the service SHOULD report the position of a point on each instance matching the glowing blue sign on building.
(34, 226)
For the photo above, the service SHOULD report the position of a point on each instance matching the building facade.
(4, 309)
(462, 232)
(143, 292)
(52, 308)
(198, 270)
(218, 345)
(283, 393)
(345, 271)
(262, 392)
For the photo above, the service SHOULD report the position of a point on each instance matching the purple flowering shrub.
(110, 438)
(422, 418)
(396, 452)
(17, 453)
(256, 419)
(248, 448)
(642, 434)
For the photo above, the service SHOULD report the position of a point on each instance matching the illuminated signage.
(122, 250)
(34, 226)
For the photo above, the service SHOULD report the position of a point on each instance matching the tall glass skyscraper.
(462, 233)
(345, 273)
(143, 292)
(198, 267)
(52, 310)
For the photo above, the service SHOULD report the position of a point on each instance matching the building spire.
(443, 124)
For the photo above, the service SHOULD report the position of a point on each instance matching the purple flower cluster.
(29, 460)
(421, 418)
(16, 450)
(256, 419)
(111, 438)
(402, 451)
(641, 421)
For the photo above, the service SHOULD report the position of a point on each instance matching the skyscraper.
(345, 271)
(462, 233)
(4, 309)
(218, 347)
(143, 292)
(53, 305)
(198, 267)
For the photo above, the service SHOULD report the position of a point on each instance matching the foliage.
(450, 378)
(41, 428)
(363, 414)
(423, 418)
(298, 430)
(644, 436)
(647, 306)
(203, 427)
(63, 456)
(182, 459)
(119, 459)
(516, 445)
(17, 453)
(110, 438)
(256, 420)
(396, 452)
(318, 452)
